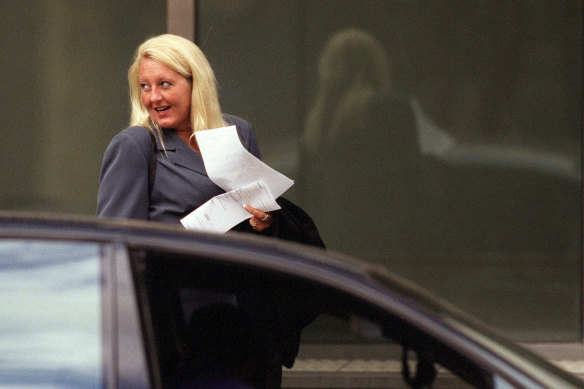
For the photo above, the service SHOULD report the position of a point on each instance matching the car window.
(207, 316)
(361, 353)
(50, 314)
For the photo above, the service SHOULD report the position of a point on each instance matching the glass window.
(50, 314)
(216, 322)
(363, 355)
(442, 139)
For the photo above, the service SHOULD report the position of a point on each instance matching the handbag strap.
(152, 162)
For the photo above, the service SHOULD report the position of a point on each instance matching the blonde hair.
(185, 58)
(352, 67)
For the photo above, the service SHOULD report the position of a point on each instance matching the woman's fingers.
(260, 220)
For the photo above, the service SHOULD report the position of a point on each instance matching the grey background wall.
(64, 94)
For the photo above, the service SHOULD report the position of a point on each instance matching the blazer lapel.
(181, 154)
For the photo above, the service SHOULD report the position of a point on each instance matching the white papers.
(245, 178)
(231, 166)
(226, 210)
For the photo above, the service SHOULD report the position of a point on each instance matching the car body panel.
(129, 360)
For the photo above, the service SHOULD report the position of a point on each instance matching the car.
(89, 303)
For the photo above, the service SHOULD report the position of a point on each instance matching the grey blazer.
(181, 183)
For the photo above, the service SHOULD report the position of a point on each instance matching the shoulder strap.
(152, 162)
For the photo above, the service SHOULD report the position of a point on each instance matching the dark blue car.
(96, 304)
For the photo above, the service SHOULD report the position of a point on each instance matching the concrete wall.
(64, 95)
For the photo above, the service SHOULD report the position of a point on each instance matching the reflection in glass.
(441, 139)
(50, 316)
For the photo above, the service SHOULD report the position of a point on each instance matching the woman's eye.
(145, 87)
(165, 84)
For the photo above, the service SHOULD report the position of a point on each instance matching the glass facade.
(442, 139)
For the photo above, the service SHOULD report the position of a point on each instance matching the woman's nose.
(155, 95)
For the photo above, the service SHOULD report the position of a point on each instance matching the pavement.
(344, 366)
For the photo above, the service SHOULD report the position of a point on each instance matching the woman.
(173, 94)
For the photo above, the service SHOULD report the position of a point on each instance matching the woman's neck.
(188, 138)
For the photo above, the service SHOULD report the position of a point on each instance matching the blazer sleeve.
(123, 188)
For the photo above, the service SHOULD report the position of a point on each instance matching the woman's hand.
(260, 220)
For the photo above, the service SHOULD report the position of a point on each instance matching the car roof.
(371, 282)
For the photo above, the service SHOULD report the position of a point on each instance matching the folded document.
(245, 178)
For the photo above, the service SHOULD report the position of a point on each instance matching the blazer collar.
(180, 153)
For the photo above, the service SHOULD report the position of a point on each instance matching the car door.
(329, 324)
(325, 337)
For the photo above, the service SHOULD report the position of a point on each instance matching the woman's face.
(166, 95)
